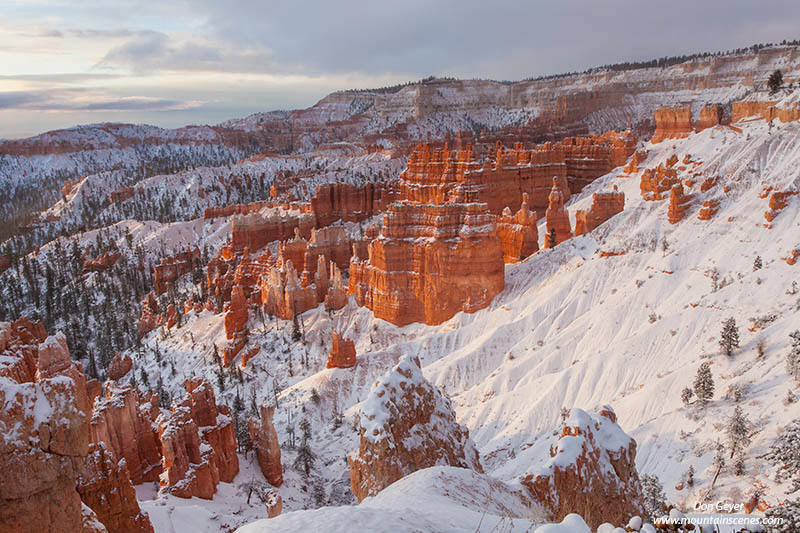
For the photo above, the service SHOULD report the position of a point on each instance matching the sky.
(177, 62)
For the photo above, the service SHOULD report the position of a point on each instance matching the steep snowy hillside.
(623, 316)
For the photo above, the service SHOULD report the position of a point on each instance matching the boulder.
(406, 424)
(591, 472)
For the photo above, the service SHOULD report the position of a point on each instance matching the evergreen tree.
(775, 81)
(718, 462)
(295, 329)
(551, 238)
(757, 263)
(686, 396)
(793, 357)
(784, 453)
(729, 338)
(738, 438)
(306, 458)
(786, 516)
(704, 384)
(690, 476)
(653, 495)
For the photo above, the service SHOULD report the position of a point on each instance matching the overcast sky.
(177, 62)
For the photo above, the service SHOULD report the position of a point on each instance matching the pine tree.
(784, 453)
(757, 263)
(738, 438)
(729, 338)
(718, 462)
(306, 458)
(704, 384)
(653, 495)
(551, 238)
(686, 396)
(793, 357)
(775, 82)
(786, 516)
(690, 476)
(295, 329)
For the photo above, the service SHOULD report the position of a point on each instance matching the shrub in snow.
(793, 357)
(785, 454)
(654, 496)
(788, 514)
(704, 384)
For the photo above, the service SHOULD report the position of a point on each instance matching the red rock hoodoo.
(678, 204)
(198, 444)
(171, 268)
(604, 206)
(710, 116)
(406, 424)
(518, 234)
(591, 472)
(268, 449)
(120, 365)
(343, 352)
(557, 217)
(429, 262)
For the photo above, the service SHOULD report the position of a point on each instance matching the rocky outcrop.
(672, 123)
(104, 485)
(429, 262)
(101, 262)
(406, 424)
(273, 502)
(708, 210)
(710, 116)
(268, 449)
(283, 295)
(236, 315)
(119, 367)
(121, 195)
(346, 202)
(172, 268)
(777, 202)
(198, 444)
(518, 234)
(336, 295)
(591, 472)
(150, 318)
(678, 204)
(44, 436)
(765, 110)
(126, 424)
(604, 206)
(439, 176)
(343, 352)
(657, 181)
(256, 230)
(332, 244)
(557, 218)
(53, 480)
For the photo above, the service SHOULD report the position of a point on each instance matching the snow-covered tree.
(305, 456)
(704, 384)
(788, 515)
(784, 453)
(729, 338)
(793, 357)
(757, 264)
(686, 396)
(654, 496)
(690, 476)
(738, 438)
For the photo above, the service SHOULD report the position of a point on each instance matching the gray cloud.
(83, 100)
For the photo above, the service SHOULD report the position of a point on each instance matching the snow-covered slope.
(575, 327)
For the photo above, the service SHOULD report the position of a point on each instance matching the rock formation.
(591, 472)
(150, 318)
(708, 210)
(518, 234)
(678, 204)
(672, 123)
(429, 262)
(126, 424)
(557, 217)
(256, 230)
(710, 116)
(273, 503)
(121, 195)
(604, 206)
(346, 202)
(104, 485)
(777, 202)
(101, 262)
(406, 424)
(119, 367)
(198, 444)
(171, 268)
(343, 352)
(44, 443)
(765, 110)
(336, 295)
(268, 449)
(656, 181)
